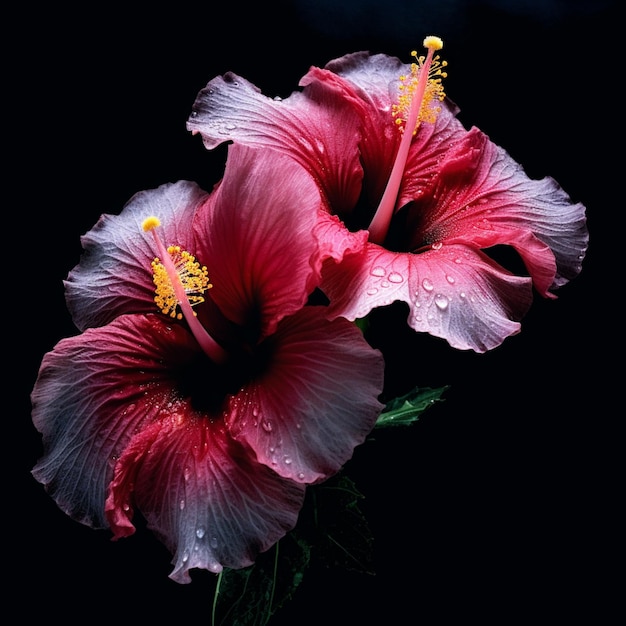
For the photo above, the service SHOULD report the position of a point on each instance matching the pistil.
(181, 285)
(419, 90)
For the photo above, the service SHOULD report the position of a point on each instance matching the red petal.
(317, 400)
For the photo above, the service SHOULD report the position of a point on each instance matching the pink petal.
(454, 292)
(258, 241)
(114, 275)
(315, 127)
(482, 197)
(317, 400)
(201, 493)
(335, 240)
(93, 392)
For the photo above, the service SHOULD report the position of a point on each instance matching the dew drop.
(450, 279)
(378, 271)
(441, 301)
(372, 292)
(395, 277)
(437, 245)
(267, 426)
(287, 460)
(213, 542)
(427, 284)
(200, 532)
(181, 504)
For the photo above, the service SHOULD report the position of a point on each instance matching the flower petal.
(202, 494)
(317, 400)
(482, 197)
(317, 127)
(454, 292)
(257, 234)
(114, 275)
(93, 391)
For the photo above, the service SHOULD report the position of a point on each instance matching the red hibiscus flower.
(435, 200)
(205, 407)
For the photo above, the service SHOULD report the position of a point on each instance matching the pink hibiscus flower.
(210, 421)
(434, 201)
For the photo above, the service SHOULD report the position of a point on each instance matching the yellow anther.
(432, 90)
(150, 222)
(193, 278)
(433, 43)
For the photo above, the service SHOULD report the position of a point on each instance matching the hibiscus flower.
(205, 407)
(437, 201)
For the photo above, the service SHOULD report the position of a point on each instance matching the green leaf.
(407, 409)
(250, 596)
(343, 535)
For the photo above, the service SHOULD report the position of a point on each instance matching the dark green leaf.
(250, 596)
(408, 408)
(344, 537)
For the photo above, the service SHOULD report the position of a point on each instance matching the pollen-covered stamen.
(418, 91)
(432, 92)
(193, 277)
(180, 283)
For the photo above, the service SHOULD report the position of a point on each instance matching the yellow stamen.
(180, 283)
(433, 90)
(193, 278)
(417, 92)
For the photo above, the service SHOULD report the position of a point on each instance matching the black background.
(498, 506)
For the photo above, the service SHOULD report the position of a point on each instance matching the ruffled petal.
(482, 197)
(335, 240)
(202, 494)
(315, 127)
(92, 393)
(454, 292)
(114, 275)
(316, 401)
(258, 238)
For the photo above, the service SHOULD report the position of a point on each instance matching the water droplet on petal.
(395, 277)
(372, 292)
(450, 279)
(441, 301)
(427, 284)
(437, 245)
(267, 426)
(378, 271)
(200, 532)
